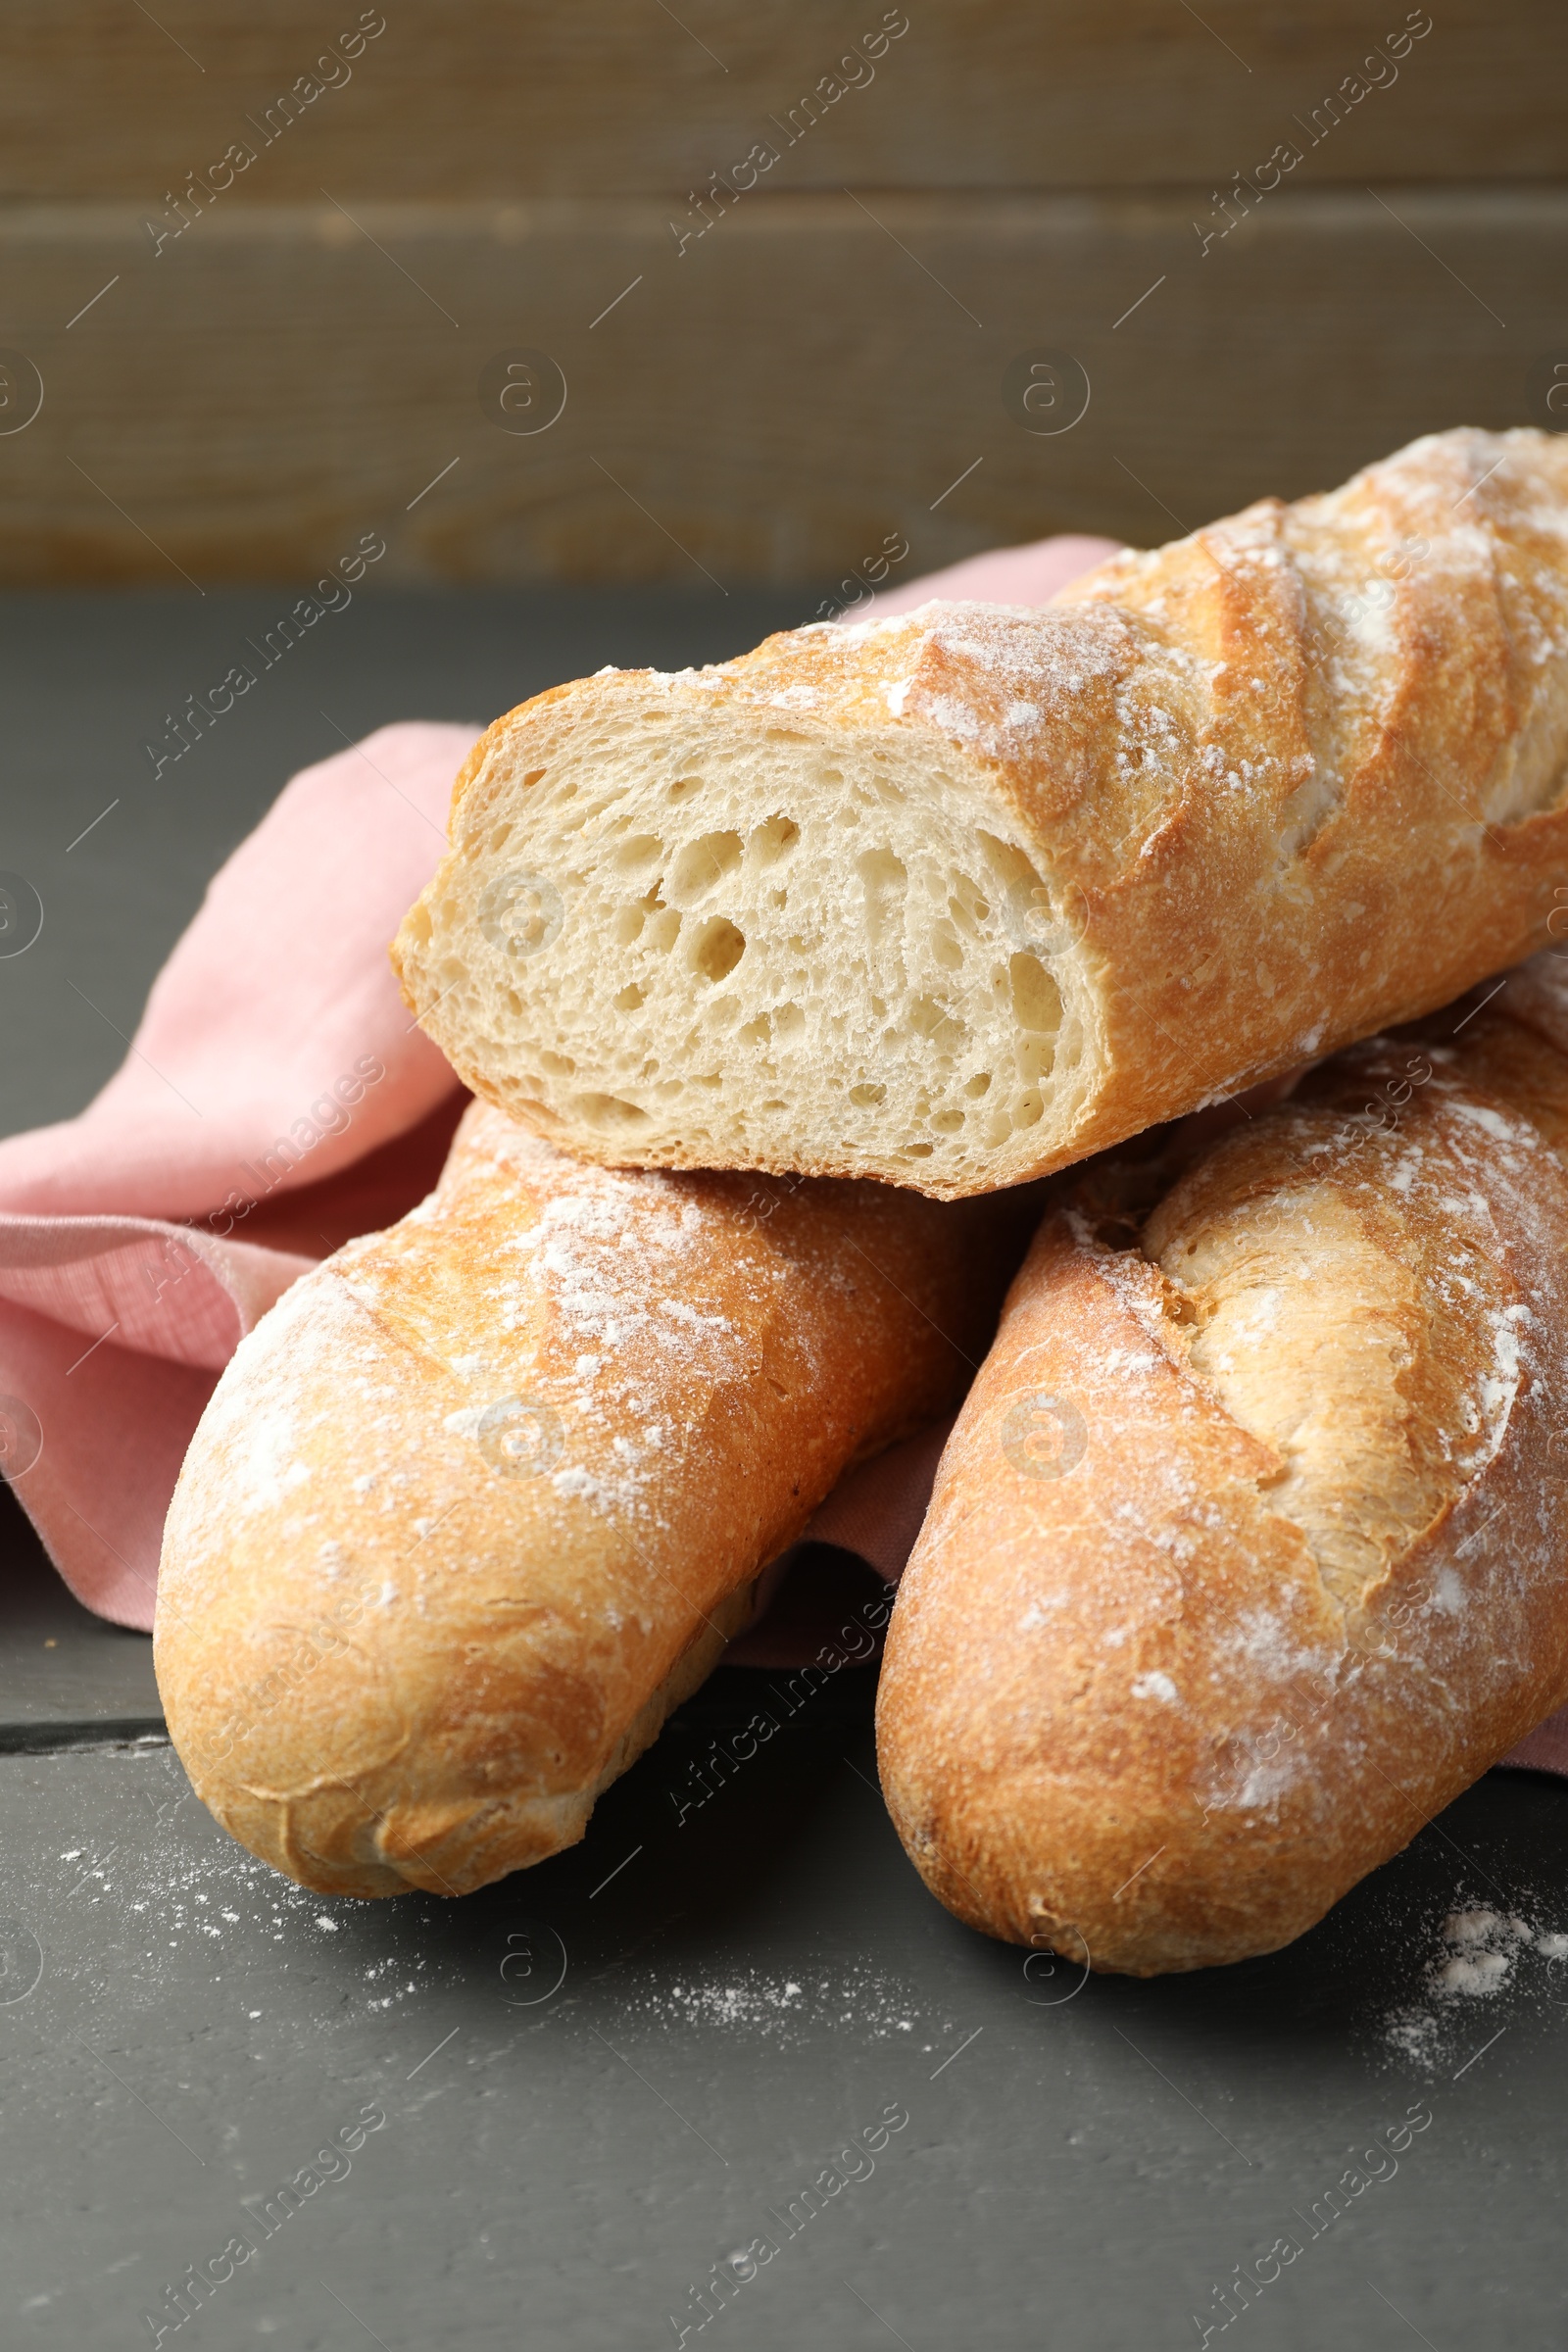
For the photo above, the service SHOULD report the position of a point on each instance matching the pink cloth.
(878, 1509)
(1007, 575)
(277, 1100)
(274, 1079)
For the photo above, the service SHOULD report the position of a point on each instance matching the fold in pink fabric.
(276, 1100)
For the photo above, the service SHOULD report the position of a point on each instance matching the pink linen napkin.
(277, 1100)
(1007, 575)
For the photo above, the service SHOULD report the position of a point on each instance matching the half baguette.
(959, 896)
(483, 1497)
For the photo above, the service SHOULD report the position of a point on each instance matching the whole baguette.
(483, 1496)
(956, 897)
(1247, 1551)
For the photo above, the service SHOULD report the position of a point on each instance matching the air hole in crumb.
(638, 849)
(629, 999)
(608, 1112)
(771, 839)
(978, 1084)
(945, 948)
(1028, 1111)
(789, 1022)
(559, 1065)
(868, 1094)
(513, 1004)
(683, 788)
(930, 1019)
(718, 950)
(535, 775)
(918, 1150)
(776, 1104)
(884, 881)
(703, 865)
(947, 1122)
(500, 838)
(1036, 998)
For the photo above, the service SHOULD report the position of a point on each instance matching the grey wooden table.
(723, 2074)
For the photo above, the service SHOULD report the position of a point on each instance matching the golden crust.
(484, 1495)
(1287, 780)
(1233, 1578)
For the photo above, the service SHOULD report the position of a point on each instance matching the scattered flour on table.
(170, 1884)
(785, 2008)
(1481, 1951)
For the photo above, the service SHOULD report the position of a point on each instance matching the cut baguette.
(958, 896)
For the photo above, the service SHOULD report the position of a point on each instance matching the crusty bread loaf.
(483, 1496)
(1247, 1551)
(959, 896)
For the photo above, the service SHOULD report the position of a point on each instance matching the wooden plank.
(765, 406)
(515, 98)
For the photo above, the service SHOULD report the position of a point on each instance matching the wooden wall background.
(316, 356)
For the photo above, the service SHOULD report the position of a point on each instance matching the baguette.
(483, 1496)
(956, 897)
(1247, 1551)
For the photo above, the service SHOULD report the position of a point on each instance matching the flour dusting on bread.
(485, 1496)
(1323, 1517)
(954, 898)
